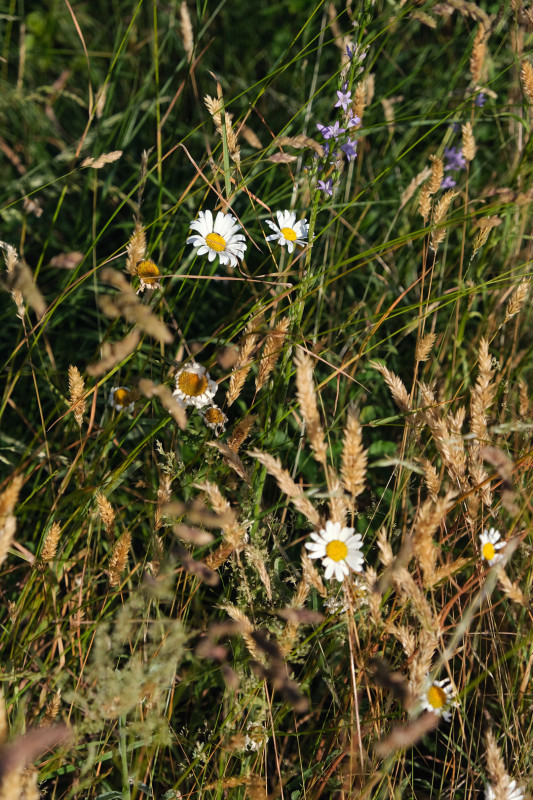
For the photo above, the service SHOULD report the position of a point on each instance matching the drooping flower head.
(122, 399)
(439, 697)
(218, 237)
(289, 231)
(489, 544)
(194, 387)
(215, 419)
(148, 273)
(339, 548)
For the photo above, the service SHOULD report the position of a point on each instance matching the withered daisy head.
(122, 399)
(194, 387)
(148, 273)
(215, 419)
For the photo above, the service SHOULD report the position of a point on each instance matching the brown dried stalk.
(517, 300)
(437, 174)
(479, 50)
(101, 161)
(354, 457)
(483, 393)
(429, 518)
(119, 558)
(8, 522)
(240, 432)
(499, 779)
(308, 406)
(77, 391)
(49, 548)
(21, 284)
(397, 387)
(151, 389)
(441, 210)
(271, 351)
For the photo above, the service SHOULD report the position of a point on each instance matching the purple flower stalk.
(344, 100)
(355, 120)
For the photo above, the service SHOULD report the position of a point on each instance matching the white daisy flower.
(514, 792)
(439, 697)
(339, 549)
(215, 418)
(194, 387)
(218, 238)
(289, 231)
(489, 543)
(148, 273)
(122, 399)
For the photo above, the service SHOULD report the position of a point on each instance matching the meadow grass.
(265, 503)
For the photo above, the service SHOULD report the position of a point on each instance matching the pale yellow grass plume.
(101, 161)
(271, 351)
(4, 730)
(363, 95)
(483, 393)
(151, 389)
(424, 346)
(481, 239)
(215, 106)
(52, 710)
(339, 505)
(437, 174)
(257, 558)
(441, 210)
(186, 30)
(354, 457)
(306, 395)
(512, 590)
(517, 300)
(479, 51)
(241, 432)
(22, 286)
(523, 406)
(413, 186)
(526, 76)
(128, 305)
(246, 628)
(107, 515)
(300, 143)
(410, 592)
(424, 202)
(113, 353)
(234, 534)
(119, 558)
(250, 136)
(11, 259)
(49, 548)
(431, 478)
(290, 633)
(244, 360)
(136, 247)
(164, 494)
(77, 390)
(404, 635)
(373, 596)
(397, 387)
(495, 766)
(469, 143)
(423, 658)
(428, 520)
(288, 486)
(311, 575)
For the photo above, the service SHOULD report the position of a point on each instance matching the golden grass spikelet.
(257, 558)
(404, 635)
(271, 351)
(234, 534)
(469, 143)
(11, 259)
(466, 9)
(424, 202)
(101, 161)
(300, 143)
(164, 494)
(477, 56)
(241, 432)
(437, 174)
(431, 478)
(250, 136)
(77, 390)
(288, 486)
(423, 658)
(526, 76)
(410, 591)
(21, 284)
(424, 346)
(244, 360)
(113, 353)
(512, 590)
(246, 630)
(4, 729)
(481, 239)
(311, 575)
(339, 505)
(8, 522)
(359, 100)
(413, 186)
(107, 515)
(128, 305)
(499, 779)
(52, 710)
(424, 18)
(51, 541)
(186, 30)
(151, 389)
(305, 393)
(119, 558)
(386, 554)
(354, 457)
(397, 388)
(373, 596)
(482, 395)
(290, 632)
(517, 300)
(441, 210)
(136, 247)
(429, 518)
(523, 407)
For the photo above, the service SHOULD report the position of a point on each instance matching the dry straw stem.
(288, 486)
(423, 658)
(424, 346)
(354, 457)
(151, 389)
(101, 161)
(186, 30)
(21, 284)
(499, 779)
(128, 305)
(4, 730)
(429, 518)
(523, 407)
(114, 353)
(77, 390)
(8, 523)
(437, 174)
(119, 558)
(244, 361)
(526, 76)
(136, 247)
(413, 186)
(479, 50)
(469, 143)
(271, 351)
(517, 300)
(241, 432)
(397, 387)
(305, 393)
(51, 541)
(107, 515)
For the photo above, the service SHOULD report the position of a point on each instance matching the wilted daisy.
(289, 231)
(194, 387)
(215, 418)
(513, 792)
(489, 543)
(339, 548)
(439, 697)
(122, 399)
(148, 273)
(218, 237)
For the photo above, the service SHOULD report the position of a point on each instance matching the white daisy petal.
(339, 549)
(289, 233)
(218, 238)
(194, 387)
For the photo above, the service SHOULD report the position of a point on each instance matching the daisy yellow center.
(216, 242)
(148, 271)
(214, 416)
(192, 384)
(122, 397)
(436, 697)
(336, 550)
(289, 234)
(488, 551)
